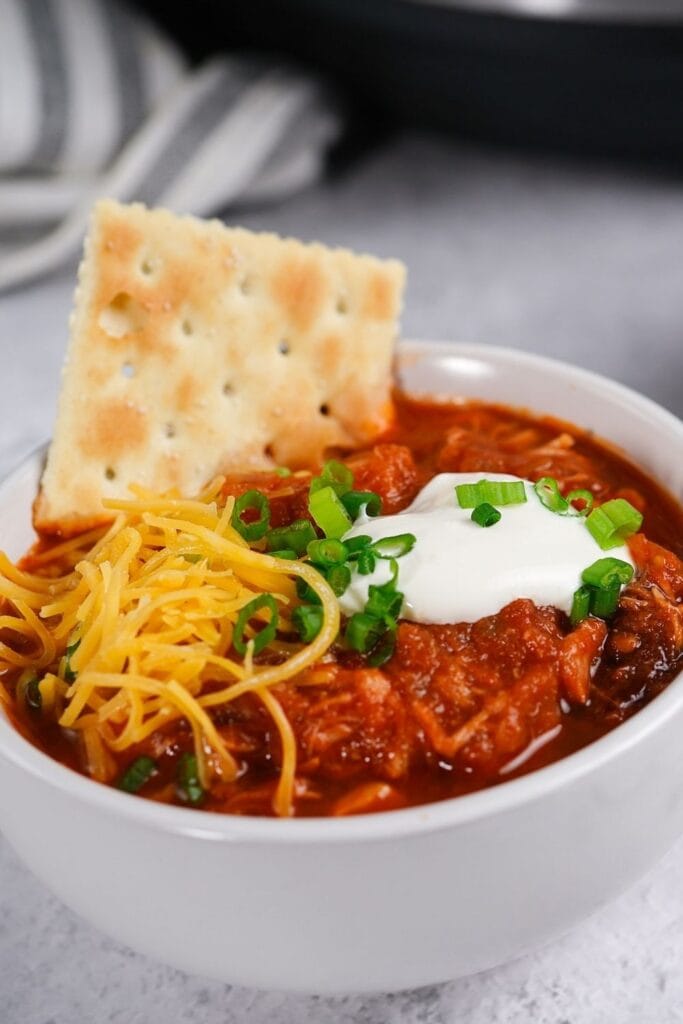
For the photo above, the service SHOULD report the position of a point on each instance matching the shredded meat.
(467, 451)
(390, 471)
(387, 469)
(646, 636)
(579, 656)
(473, 695)
(288, 496)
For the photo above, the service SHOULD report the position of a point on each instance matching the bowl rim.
(450, 813)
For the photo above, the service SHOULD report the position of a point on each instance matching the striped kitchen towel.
(95, 101)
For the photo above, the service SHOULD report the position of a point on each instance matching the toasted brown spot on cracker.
(299, 287)
(121, 239)
(113, 428)
(378, 297)
(328, 355)
(187, 393)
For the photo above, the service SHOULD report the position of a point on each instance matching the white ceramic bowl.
(384, 901)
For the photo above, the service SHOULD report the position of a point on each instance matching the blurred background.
(523, 157)
(576, 76)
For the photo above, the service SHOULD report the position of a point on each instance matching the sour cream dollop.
(460, 572)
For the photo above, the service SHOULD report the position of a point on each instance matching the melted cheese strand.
(283, 803)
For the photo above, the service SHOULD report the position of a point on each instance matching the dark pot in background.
(601, 77)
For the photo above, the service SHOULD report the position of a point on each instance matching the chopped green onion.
(266, 635)
(604, 602)
(296, 537)
(354, 545)
(382, 650)
(355, 501)
(286, 553)
(366, 562)
(338, 577)
(256, 527)
(327, 552)
(282, 471)
(192, 557)
(468, 495)
(363, 631)
(607, 573)
(394, 547)
(581, 604)
(384, 602)
(360, 551)
(495, 492)
(329, 513)
(32, 695)
(602, 583)
(69, 674)
(189, 787)
(391, 582)
(613, 522)
(137, 774)
(581, 495)
(305, 592)
(307, 619)
(485, 515)
(548, 491)
(372, 632)
(335, 475)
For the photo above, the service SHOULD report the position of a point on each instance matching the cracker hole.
(187, 328)
(269, 451)
(246, 284)
(283, 347)
(227, 388)
(169, 429)
(147, 268)
(121, 316)
(324, 409)
(110, 473)
(342, 305)
(128, 370)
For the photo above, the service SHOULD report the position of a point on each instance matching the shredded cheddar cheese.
(135, 632)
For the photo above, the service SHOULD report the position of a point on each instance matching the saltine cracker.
(197, 348)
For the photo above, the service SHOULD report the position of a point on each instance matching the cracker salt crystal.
(196, 349)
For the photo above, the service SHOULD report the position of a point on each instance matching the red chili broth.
(440, 437)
